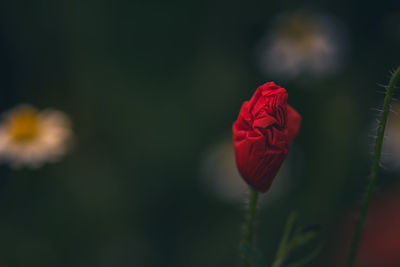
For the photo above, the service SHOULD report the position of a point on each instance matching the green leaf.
(308, 259)
(301, 239)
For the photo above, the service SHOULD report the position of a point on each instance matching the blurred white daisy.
(302, 44)
(29, 138)
(391, 144)
(220, 176)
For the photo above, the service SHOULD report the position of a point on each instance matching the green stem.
(283, 249)
(249, 226)
(374, 168)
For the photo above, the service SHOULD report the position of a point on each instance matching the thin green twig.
(284, 245)
(248, 230)
(374, 168)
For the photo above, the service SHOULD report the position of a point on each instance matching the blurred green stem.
(249, 226)
(374, 168)
(283, 249)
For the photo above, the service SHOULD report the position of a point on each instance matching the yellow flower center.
(23, 124)
(299, 30)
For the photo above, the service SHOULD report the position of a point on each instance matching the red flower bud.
(262, 133)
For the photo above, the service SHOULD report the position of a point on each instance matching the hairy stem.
(374, 168)
(248, 230)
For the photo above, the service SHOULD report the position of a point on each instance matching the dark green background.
(150, 86)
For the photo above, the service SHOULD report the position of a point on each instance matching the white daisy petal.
(29, 138)
(302, 43)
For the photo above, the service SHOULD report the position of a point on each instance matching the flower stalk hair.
(374, 168)
(265, 127)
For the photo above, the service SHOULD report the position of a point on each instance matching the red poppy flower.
(262, 133)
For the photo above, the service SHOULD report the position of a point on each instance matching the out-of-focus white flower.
(391, 143)
(220, 176)
(30, 138)
(302, 43)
